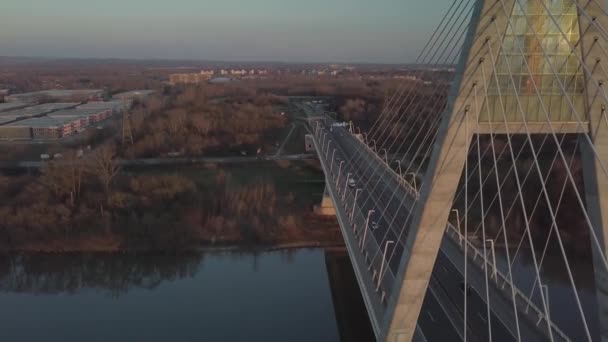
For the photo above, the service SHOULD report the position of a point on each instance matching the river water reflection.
(229, 296)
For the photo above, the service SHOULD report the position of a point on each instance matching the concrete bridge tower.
(515, 67)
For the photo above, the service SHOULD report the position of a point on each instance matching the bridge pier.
(326, 208)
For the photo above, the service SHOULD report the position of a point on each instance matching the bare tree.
(75, 172)
(177, 121)
(104, 166)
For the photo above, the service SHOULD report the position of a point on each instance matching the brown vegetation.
(187, 120)
(88, 205)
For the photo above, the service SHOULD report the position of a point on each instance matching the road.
(172, 161)
(377, 192)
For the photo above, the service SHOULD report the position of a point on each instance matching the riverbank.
(167, 209)
(97, 248)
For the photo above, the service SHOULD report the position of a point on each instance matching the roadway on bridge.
(379, 191)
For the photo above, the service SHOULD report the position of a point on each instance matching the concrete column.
(326, 208)
(595, 178)
(444, 172)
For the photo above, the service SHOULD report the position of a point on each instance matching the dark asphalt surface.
(379, 191)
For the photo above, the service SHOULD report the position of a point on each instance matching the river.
(228, 296)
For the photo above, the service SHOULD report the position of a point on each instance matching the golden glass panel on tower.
(536, 66)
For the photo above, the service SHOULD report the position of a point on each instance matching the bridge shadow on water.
(311, 293)
(351, 315)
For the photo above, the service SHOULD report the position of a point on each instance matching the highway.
(376, 189)
(36, 164)
(378, 192)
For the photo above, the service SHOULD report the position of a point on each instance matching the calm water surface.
(272, 296)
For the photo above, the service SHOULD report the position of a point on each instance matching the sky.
(371, 31)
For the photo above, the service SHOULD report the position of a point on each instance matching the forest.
(93, 205)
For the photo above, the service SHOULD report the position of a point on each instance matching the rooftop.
(102, 105)
(6, 119)
(42, 122)
(77, 112)
(38, 109)
(133, 93)
(6, 106)
(54, 93)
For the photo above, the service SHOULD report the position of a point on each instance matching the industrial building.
(83, 117)
(58, 95)
(38, 110)
(44, 128)
(116, 107)
(132, 95)
(6, 106)
(55, 124)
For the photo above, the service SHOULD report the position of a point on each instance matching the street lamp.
(331, 169)
(381, 276)
(346, 186)
(352, 213)
(323, 141)
(493, 257)
(327, 152)
(350, 128)
(458, 225)
(365, 138)
(359, 130)
(374, 141)
(339, 173)
(385, 155)
(369, 214)
(399, 168)
(413, 179)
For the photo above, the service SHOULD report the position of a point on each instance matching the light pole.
(323, 141)
(358, 129)
(545, 289)
(493, 257)
(339, 173)
(385, 155)
(352, 213)
(383, 262)
(413, 179)
(369, 213)
(458, 225)
(331, 169)
(365, 138)
(346, 185)
(327, 152)
(374, 141)
(399, 168)
(350, 128)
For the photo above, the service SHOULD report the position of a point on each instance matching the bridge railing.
(382, 274)
(410, 189)
(378, 266)
(502, 280)
(377, 263)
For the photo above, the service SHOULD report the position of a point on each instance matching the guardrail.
(410, 189)
(455, 235)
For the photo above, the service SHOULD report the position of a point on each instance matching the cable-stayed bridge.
(475, 207)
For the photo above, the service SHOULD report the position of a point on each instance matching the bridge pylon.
(505, 85)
